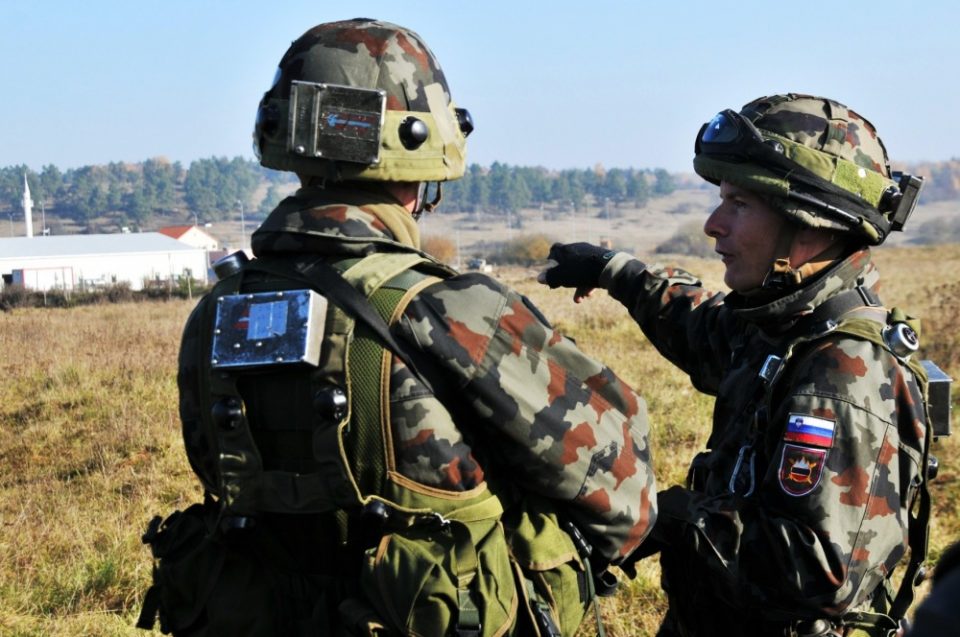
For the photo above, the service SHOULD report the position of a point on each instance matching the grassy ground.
(90, 446)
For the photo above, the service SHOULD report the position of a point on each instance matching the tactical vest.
(433, 561)
(859, 319)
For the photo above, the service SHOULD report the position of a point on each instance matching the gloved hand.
(672, 507)
(578, 266)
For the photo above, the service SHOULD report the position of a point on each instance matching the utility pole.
(243, 226)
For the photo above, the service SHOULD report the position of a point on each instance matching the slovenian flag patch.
(809, 430)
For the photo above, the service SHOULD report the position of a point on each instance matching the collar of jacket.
(337, 220)
(778, 313)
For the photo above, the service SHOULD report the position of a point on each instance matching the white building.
(191, 235)
(81, 261)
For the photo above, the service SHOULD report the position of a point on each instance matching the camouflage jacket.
(532, 412)
(815, 516)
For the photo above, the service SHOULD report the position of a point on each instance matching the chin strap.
(783, 276)
(428, 206)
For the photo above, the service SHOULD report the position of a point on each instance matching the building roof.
(89, 244)
(175, 231)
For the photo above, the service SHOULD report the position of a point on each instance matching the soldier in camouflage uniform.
(792, 521)
(497, 407)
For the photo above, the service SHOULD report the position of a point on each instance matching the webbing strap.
(918, 536)
(322, 276)
(844, 302)
(371, 272)
(592, 594)
(368, 376)
(466, 567)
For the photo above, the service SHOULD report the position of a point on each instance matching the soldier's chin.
(737, 282)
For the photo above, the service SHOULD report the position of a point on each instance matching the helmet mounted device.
(339, 123)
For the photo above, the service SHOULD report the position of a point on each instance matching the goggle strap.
(831, 199)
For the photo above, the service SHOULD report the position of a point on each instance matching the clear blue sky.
(559, 84)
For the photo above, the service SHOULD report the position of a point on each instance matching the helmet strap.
(428, 206)
(782, 275)
(785, 275)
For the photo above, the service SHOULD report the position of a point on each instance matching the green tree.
(51, 182)
(270, 200)
(115, 197)
(578, 189)
(614, 186)
(200, 188)
(560, 190)
(478, 195)
(538, 183)
(638, 189)
(159, 184)
(137, 205)
(664, 183)
(81, 201)
(497, 178)
(11, 186)
(516, 194)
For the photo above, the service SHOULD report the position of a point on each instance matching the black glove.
(672, 505)
(578, 265)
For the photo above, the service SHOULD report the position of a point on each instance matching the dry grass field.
(90, 445)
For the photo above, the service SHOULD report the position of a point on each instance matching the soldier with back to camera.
(793, 520)
(387, 446)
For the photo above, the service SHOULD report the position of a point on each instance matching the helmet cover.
(376, 56)
(831, 141)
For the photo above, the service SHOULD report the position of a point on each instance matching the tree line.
(214, 189)
(507, 189)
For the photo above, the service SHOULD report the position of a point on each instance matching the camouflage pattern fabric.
(816, 516)
(375, 55)
(533, 412)
(328, 51)
(833, 142)
(824, 125)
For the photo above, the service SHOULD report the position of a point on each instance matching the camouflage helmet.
(361, 99)
(814, 159)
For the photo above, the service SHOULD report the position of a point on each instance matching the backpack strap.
(381, 277)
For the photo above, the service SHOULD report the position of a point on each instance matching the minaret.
(27, 206)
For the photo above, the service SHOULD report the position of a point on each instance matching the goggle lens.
(722, 129)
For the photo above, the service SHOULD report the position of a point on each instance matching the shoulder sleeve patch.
(809, 430)
(800, 469)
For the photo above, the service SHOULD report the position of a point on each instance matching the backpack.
(432, 561)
